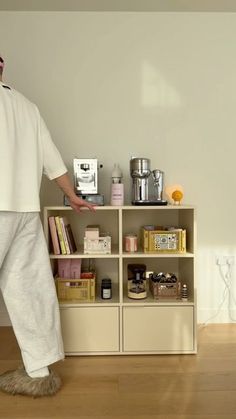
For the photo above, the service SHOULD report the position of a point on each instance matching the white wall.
(157, 85)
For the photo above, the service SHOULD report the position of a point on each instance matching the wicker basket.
(76, 289)
(167, 290)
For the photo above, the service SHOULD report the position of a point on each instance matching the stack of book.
(63, 242)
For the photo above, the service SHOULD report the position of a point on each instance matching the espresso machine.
(86, 175)
(140, 171)
(86, 181)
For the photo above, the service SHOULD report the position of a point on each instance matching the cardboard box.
(102, 246)
(92, 232)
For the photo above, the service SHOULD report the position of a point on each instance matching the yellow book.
(60, 235)
(63, 221)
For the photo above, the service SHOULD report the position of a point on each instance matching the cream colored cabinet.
(88, 329)
(164, 329)
(122, 325)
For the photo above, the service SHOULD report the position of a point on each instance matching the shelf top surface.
(116, 254)
(124, 207)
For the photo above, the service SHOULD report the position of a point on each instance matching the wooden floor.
(201, 386)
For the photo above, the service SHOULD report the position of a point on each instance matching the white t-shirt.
(26, 152)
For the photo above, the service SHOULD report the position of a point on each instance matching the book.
(63, 221)
(60, 235)
(70, 238)
(54, 236)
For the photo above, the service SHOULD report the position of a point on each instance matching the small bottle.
(117, 187)
(184, 293)
(106, 290)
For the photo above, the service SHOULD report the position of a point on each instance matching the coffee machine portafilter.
(157, 176)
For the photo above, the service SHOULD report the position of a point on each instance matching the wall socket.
(225, 260)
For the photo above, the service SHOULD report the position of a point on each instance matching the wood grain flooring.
(201, 386)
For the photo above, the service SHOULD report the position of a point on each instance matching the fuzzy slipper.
(19, 382)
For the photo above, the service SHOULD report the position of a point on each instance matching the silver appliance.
(158, 176)
(140, 172)
(86, 181)
(86, 176)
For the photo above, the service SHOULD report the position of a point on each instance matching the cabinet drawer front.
(156, 329)
(94, 329)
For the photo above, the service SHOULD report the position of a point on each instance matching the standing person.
(26, 281)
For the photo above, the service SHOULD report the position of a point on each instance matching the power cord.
(227, 279)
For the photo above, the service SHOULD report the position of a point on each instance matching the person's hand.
(78, 203)
(66, 186)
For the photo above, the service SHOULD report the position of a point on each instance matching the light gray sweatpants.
(28, 289)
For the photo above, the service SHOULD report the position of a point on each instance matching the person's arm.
(76, 203)
(55, 169)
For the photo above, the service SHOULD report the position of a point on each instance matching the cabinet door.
(90, 329)
(163, 329)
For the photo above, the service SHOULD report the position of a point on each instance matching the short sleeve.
(53, 165)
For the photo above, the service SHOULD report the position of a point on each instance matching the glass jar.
(106, 289)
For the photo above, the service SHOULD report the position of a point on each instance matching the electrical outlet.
(225, 260)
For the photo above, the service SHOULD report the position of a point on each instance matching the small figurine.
(177, 195)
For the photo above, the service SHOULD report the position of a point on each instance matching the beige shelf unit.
(121, 325)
